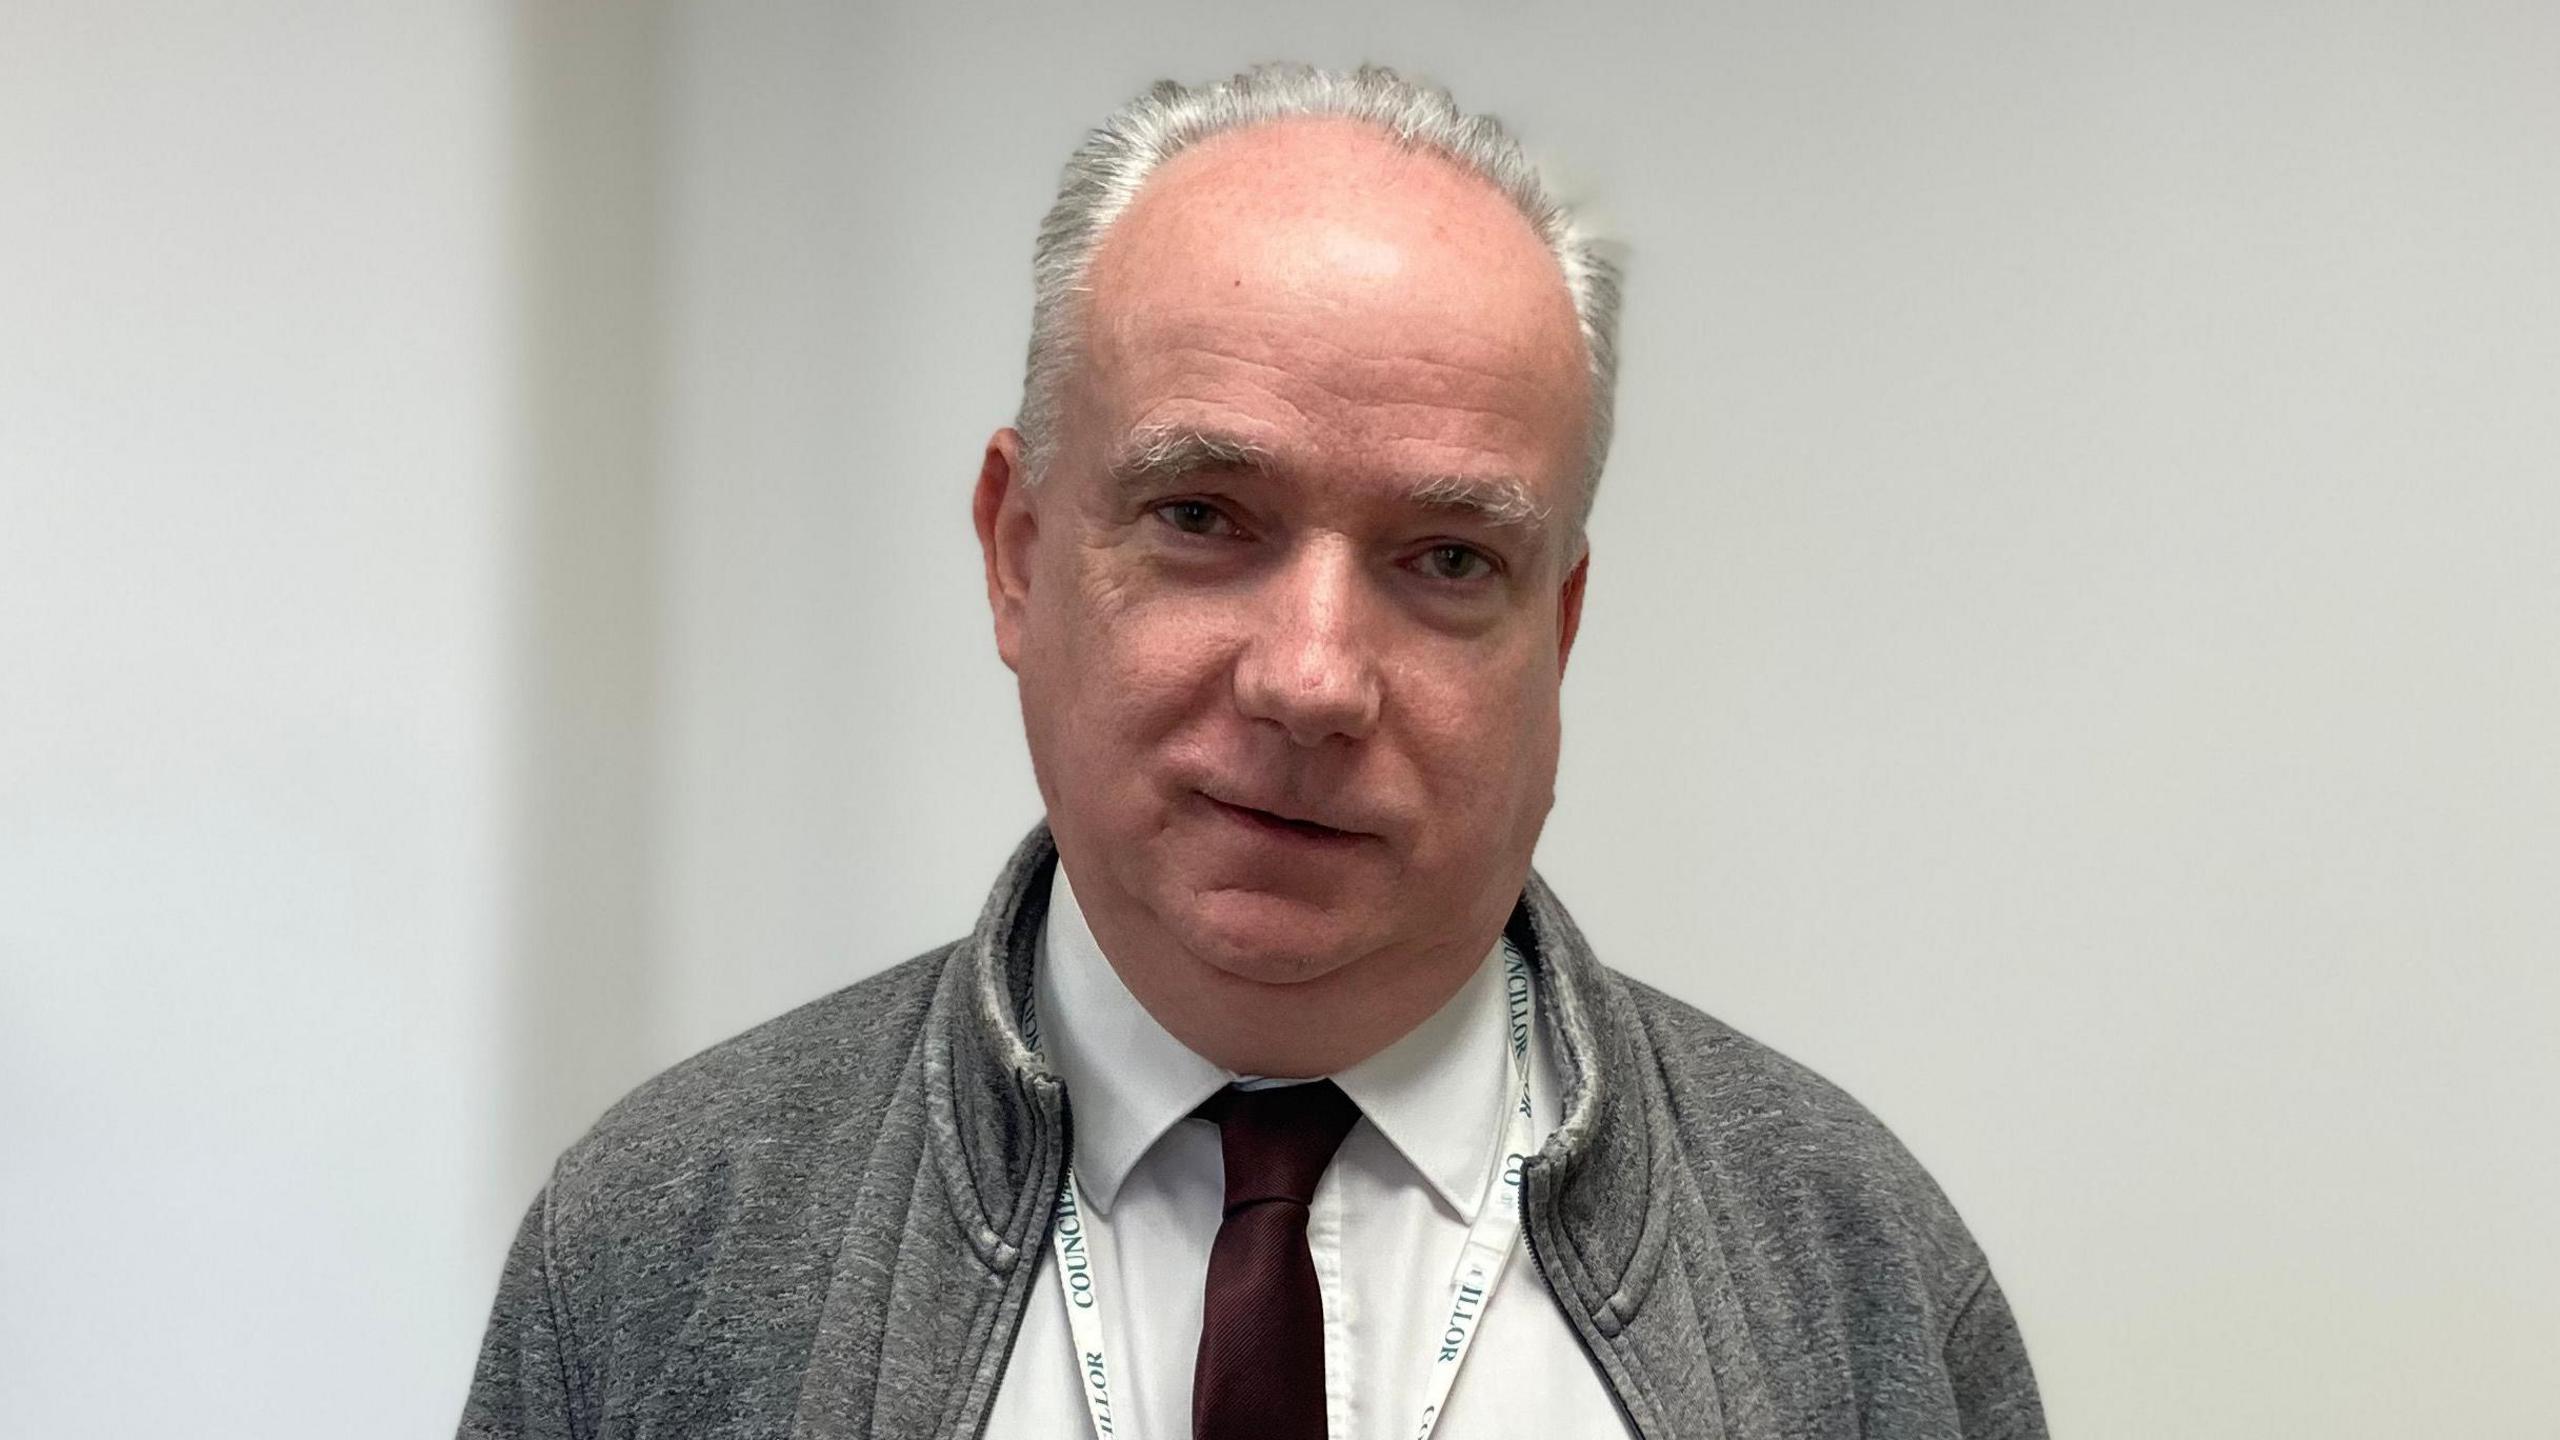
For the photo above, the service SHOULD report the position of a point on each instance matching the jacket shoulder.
(817, 1077)
(692, 1235)
(1799, 1157)
(1873, 1310)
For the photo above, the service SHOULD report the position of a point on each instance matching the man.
(1272, 1095)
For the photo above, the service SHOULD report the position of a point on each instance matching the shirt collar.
(1438, 1094)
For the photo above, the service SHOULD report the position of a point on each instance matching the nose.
(1311, 667)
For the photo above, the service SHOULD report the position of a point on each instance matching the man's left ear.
(1569, 607)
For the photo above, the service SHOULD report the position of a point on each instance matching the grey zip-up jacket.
(829, 1226)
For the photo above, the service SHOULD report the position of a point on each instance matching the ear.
(1569, 608)
(1006, 529)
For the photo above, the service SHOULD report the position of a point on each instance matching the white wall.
(254, 415)
(2070, 654)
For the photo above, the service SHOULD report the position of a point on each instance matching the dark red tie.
(1260, 1375)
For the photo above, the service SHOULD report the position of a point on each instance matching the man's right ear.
(1006, 529)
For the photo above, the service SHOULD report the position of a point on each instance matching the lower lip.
(1269, 826)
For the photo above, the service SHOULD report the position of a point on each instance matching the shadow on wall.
(587, 134)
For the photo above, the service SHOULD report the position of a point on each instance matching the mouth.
(1287, 826)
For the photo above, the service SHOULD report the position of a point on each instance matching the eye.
(1194, 517)
(1455, 563)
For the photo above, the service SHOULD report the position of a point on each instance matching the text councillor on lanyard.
(1481, 1260)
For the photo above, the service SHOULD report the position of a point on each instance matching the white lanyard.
(1481, 1260)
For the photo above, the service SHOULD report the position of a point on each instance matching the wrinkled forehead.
(1322, 249)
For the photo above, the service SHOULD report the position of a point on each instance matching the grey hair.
(1104, 175)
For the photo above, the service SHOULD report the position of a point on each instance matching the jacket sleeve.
(520, 1389)
(1986, 1361)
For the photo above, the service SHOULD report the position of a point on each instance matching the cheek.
(1484, 738)
(1126, 670)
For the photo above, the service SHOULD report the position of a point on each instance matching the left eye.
(1455, 562)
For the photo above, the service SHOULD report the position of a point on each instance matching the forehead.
(1312, 285)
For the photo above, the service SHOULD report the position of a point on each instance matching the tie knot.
(1278, 1139)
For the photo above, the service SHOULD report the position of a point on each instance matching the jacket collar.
(1128, 1080)
(1594, 1195)
(999, 1121)
(995, 1112)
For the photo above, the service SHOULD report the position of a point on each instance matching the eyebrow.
(1158, 454)
(1499, 500)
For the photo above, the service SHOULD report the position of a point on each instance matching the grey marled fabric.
(829, 1225)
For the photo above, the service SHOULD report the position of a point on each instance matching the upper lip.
(1330, 820)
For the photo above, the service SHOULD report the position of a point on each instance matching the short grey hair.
(1105, 173)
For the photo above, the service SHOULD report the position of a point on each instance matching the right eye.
(1195, 517)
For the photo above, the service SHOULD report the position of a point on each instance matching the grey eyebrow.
(1156, 453)
(1492, 500)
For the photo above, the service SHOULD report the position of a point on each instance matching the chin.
(1265, 938)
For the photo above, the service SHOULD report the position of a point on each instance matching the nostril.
(1313, 692)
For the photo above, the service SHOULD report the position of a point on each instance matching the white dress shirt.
(1385, 1229)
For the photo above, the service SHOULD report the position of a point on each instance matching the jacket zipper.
(1581, 1321)
(1017, 1297)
